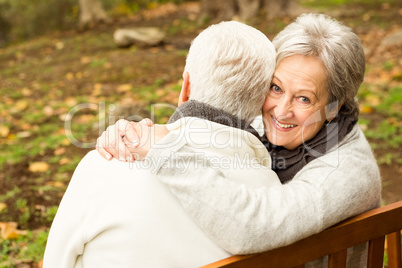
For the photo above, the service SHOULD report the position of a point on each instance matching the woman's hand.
(129, 141)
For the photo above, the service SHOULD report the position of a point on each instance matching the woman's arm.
(129, 141)
(244, 220)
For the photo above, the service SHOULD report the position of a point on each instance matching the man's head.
(230, 66)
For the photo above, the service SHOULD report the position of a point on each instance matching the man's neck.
(202, 110)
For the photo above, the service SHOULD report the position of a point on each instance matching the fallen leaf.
(160, 92)
(40, 207)
(19, 55)
(26, 92)
(58, 184)
(61, 131)
(36, 85)
(374, 100)
(48, 110)
(9, 230)
(169, 47)
(39, 167)
(21, 105)
(4, 131)
(78, 75)
(65, 142)
(26, 126)
(71, 101)
(85, 60)
(11, 136)
(70, 76)
(3, 206)
(366, 110)
(62, 117)
(393, 121)
(23, 134)
(59, 45)
(124, 88)
(64, 161)
(363, 127)
(59, 151)
(366, 17)
(85, 119)
(97, 89)
(154, 50)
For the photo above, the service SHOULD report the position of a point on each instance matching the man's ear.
(185, 89)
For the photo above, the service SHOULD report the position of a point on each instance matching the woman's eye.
(276, 89)
(304, 100)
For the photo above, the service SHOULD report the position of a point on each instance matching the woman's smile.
(282, 126)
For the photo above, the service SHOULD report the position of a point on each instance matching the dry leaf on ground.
(124, 88)
(39, 167)
(3, 206)
(64, 161)
(9, 230)
(58, 184)
(59, 151)
(4, 131)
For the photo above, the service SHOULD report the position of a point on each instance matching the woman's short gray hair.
(336, 46)
(231, 66)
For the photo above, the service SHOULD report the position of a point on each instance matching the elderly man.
(119, 214)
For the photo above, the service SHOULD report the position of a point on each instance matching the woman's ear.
(332, 110)
(185, 89)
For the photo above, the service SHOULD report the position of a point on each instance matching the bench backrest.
(372, 226)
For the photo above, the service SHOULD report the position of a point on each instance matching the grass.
(27, 247)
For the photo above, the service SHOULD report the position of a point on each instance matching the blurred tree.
(282, 8)
(5, 26)
(92, 12)
(221, 10)
(248, 9)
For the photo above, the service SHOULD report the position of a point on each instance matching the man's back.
(117, 214)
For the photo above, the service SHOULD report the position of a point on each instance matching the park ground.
(43, 78)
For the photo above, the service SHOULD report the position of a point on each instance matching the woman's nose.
(284, 108)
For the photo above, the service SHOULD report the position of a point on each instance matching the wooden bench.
(372, 226)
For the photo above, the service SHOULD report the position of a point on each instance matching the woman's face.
(294, 110)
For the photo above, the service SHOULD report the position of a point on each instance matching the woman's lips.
(281, 126)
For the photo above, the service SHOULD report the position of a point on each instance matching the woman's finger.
(111, 141)
(147, 122)
(132, 136)
(101, 149)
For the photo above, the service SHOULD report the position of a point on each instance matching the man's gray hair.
(231, 66)
(335, 45)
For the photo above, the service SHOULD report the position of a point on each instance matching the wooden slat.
(337, 259)
(299, 266)
(376, 253)
(394, 250)
(359, 229)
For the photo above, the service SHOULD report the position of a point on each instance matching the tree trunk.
(217, 10)
(248, 9)
(92, 12)
(282, 8)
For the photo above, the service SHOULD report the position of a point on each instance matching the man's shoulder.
(95, 163)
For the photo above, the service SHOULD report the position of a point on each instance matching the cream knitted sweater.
(243, 220)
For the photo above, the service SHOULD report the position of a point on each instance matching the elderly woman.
(321, 156)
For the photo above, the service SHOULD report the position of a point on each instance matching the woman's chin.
(279, 140)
